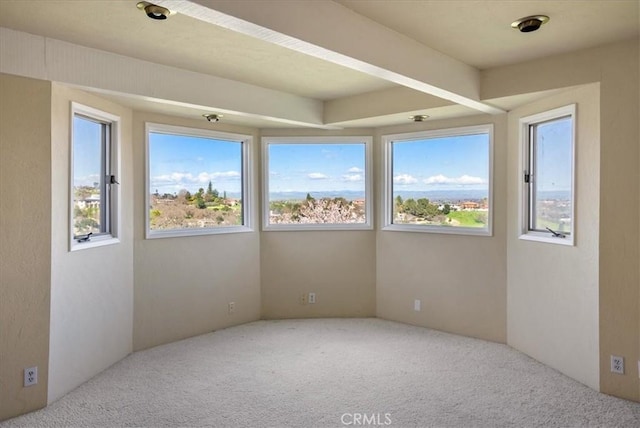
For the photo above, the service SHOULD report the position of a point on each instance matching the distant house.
(470, 205)
(91, 201)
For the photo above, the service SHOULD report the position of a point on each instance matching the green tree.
(200, 202)
(399, 204)
(212, 194)
(341, 202)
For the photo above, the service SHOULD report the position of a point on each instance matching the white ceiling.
(476, 33)
(479, 33)
(118, 26)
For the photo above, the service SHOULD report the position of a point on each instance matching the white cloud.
(404, 179)
(317, 176)
(186, 178)
(463, 180)
(174, 177)
(205, 177)
(355, 169)
(352, 177)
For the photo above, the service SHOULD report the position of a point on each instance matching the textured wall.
(25, 240)
(553, 289)
(460, 280)
(619, 211)
(91, 289)
(183, 285)
(616, 68)
(339, 266)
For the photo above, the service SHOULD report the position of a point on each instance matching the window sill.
(315, 227)
(177, 233)
(94, 242)
(547, 239)
(445, 230)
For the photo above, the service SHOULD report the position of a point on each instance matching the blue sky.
(310, 167)
(179, 162)
(86, 152)
(461, 162)
(554, 155)
(449, 163)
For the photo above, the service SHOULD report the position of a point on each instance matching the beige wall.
(619, 231)
(616, 68)
(183, 285)
(339, 266)
(460, 280)
(25, 238)
(91, 289)
(553, 289)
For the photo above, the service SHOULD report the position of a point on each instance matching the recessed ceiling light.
(212, 117)
(419, 117)
(154, 11)
(530, 23)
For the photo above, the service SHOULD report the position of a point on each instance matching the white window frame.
(387, 200)
(525, 165)
(110, 162)
(247, 208)
(366, 140)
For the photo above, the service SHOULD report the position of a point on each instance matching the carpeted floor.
(332, 373)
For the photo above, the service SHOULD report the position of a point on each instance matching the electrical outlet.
(232, 307)
(617, 364)
(303, 299)
(31, 376)
(417, 305)
(312, 298)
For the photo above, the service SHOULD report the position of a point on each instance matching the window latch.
(112, 180)
(84, 238)
(527, 177)
(556, 234)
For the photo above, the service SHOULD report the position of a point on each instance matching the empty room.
(319, 213)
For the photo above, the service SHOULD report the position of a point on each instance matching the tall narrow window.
(317, 183)
(439, 181)
(197, 182)
(547, 175)
(94, 192)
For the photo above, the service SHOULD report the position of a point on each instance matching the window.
(197, 182)
(94, 177)
(439, 181)
(547, 176)
(317, 183)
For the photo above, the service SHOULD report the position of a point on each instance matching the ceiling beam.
(385, 102)
(43, 58)
(329, 31)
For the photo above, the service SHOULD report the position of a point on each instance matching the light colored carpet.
(311, 373)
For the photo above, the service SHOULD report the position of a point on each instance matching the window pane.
(317, 183)
(88, 176)
(195, 182)
(442, 182)
(551, 193)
